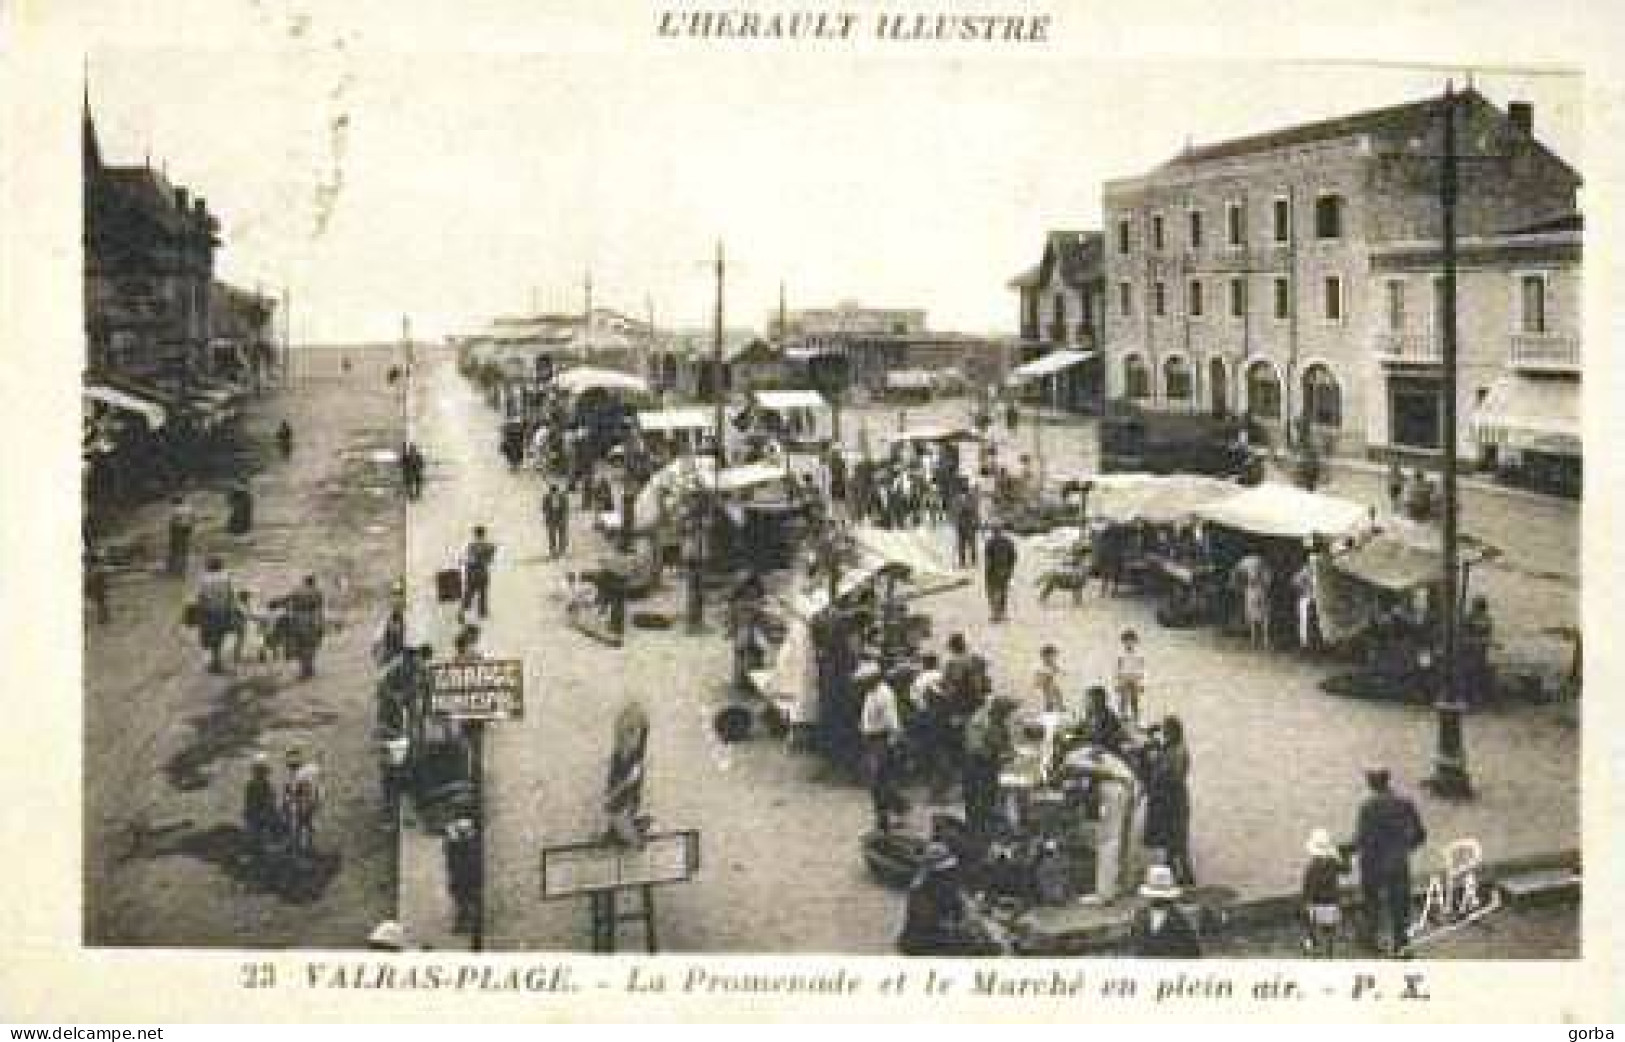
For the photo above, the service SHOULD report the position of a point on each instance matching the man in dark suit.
(999, 568)
(1386, 832)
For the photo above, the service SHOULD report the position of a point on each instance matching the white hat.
(866, 671)
(388, 936)
(1320, 844)
(1159, 882)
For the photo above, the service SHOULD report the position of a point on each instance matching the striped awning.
(1530, 413)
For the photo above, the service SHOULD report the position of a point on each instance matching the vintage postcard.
(1043, 510)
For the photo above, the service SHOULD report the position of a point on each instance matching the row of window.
(1533, 294)
(1322, 397)
(1329, 221)
(1533, 300)
(1332, 300)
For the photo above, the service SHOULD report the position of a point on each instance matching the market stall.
(799, 419)
(675, 430)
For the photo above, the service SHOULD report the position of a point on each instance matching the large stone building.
(1244, 276)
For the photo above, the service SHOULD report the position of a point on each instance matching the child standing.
(1322, 894)
(1129, 677)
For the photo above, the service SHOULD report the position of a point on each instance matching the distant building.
(1257, 275)
(1062, 321)
(881, 349)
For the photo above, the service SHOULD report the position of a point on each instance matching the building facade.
(1062, 309)
(1240, 277)
(1519, 319)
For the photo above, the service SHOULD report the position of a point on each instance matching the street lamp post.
(1450, 778)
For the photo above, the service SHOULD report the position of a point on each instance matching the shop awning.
(1049, 364)
(1530, 413)
(777, 400)
(1286, 512)
(665, 420)
(151, 412)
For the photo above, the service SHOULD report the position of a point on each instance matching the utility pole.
(287, 336)
(1450, 779)
(720, 417)
(586, 319)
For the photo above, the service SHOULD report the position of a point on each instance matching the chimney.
(1521, 114)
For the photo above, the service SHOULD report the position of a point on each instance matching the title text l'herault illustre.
(836, 26)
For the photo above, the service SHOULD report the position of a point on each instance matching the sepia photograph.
(826, 483)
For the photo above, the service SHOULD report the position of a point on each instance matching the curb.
(1107, 939)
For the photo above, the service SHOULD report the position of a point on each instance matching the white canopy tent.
(673, 421)
(589, 378)
(1283, 511)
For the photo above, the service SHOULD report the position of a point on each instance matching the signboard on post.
(478, 689)
(588, 868)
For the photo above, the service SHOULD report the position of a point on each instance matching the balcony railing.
(1550, 351)
(1407, 347)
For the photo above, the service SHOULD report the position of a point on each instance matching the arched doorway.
(1218, 385)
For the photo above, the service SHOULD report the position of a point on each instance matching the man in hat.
(998, 569)
(301, 798)
(1161, 930)
(1387, 831)
(936, 911)
(556, 519)
(989, 746)
(477, 558)
(307, 622)
(182, 519)
(880, 725)
(261, 822)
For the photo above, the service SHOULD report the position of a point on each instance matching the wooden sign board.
(586, 868)
(478, 689)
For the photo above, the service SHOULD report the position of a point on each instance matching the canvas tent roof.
(1157, 498)
(802, 399)
(917, 552)
(586, 377)
(1280, 510)
(673, 419)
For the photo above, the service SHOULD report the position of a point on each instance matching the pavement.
(167, 745)
(1274, 756)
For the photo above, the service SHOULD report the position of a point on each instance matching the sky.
(453, 184)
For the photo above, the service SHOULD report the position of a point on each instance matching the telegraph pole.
(720, 418)
(1450, 778)
(586, 320)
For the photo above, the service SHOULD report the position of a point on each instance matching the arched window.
(1136, 378)
(1177, 384)
(1263, 392)
(1057, 329)
(1322, 398)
